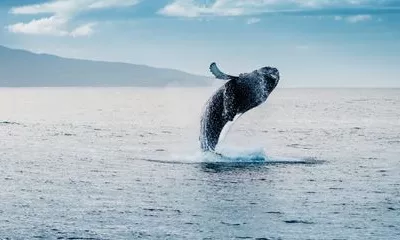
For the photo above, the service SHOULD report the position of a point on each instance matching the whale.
(238, 95)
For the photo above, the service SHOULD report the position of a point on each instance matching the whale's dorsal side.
(219, 74)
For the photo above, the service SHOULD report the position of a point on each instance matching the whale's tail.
(219, 74)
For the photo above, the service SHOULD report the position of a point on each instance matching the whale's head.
(270, 76)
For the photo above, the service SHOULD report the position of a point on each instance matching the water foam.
(229, 155)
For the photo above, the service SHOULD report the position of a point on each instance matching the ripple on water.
(298, 222)
(9, 123)
(231, 224)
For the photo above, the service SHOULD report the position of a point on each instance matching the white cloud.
(59, 7)
(197, 8)
(189, 8)
(67, 7)
(63, 11)
(113, 3)
(83, 30)
(52, 26)
(359, 18)
(46, 26)
(253, 20)
(354, 18)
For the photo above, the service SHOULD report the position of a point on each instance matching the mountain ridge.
(22, 68)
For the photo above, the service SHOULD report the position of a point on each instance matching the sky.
(313, 43)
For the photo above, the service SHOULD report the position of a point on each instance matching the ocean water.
(124, 163)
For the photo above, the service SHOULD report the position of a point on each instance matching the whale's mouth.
(275, 76)
(271, 75)
(274, 73)
(270, 72)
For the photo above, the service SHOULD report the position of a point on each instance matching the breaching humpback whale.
(237, 96)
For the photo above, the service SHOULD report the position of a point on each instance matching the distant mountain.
(20, 68)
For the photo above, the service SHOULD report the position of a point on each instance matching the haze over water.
(124, 163)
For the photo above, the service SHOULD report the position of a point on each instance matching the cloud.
(358, 18)
(193, 8)
(112, 3)
(57, 7)
(83, 30)
(253, 20)
(67, 7)
(354, 18)
(51, 26)
(47, 26)
(189, 8)
(62, 13)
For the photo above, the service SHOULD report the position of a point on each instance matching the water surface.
(123, 163)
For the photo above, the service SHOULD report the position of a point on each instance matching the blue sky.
(314, 43)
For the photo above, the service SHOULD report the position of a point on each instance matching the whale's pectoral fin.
(219, 74)
(230, 107)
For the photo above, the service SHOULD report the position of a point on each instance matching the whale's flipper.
(220, 109)
(230, 108)
(220, 75)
